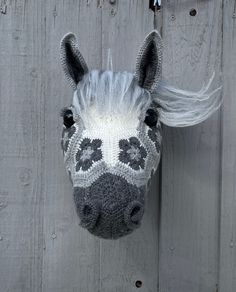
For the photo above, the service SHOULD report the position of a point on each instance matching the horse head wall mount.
(111, 136)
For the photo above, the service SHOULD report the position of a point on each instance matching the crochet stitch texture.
(110, 156)
(109, 151)
(111, 137)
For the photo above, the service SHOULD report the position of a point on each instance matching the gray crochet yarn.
(110, 207)
(111, 137)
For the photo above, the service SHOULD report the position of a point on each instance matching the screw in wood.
(193, 12)
(138, 284)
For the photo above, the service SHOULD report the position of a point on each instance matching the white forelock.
(110, 92)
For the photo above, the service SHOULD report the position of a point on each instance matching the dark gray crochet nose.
(110, 207)
(133, 214)
(88, 212)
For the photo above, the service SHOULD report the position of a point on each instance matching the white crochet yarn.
(110, 128)
(110, 110)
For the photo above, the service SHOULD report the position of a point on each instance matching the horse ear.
(148, 62)
(72, 60)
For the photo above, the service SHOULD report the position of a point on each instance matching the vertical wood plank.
(228, 193)
(42, 248)
(21, 147)
(71, 259)
(135, 257)
(191, 156)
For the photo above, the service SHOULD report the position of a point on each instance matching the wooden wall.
(187, 242)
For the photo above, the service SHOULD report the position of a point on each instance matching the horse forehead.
(111, 121)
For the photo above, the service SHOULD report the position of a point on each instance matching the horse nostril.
(88, 213)
(133, 214)
(87, 210)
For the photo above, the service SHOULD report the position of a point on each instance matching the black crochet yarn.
(67, 117)
(151, 118)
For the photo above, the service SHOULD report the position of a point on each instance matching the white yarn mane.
(117, 93)
(110, 93)
(181, 108)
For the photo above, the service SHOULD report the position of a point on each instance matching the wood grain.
(135, 257)
(21, 147)
(191, 156)
(227, 280)
(71, 260)
(187, 240)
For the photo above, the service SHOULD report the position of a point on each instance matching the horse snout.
(108, 219)
(110, 207)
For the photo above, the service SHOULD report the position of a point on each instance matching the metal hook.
(155, 5)
(157, 2)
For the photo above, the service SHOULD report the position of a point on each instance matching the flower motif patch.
(88, 153)
(132, 153)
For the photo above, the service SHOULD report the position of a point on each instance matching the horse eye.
(151, 118)
(68, 118)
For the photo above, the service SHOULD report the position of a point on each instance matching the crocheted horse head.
(112, 133)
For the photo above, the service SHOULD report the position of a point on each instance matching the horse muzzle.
(111, 207)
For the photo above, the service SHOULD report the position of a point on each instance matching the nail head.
(138, 284)
(193, 12)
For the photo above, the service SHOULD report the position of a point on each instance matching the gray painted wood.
(71, 259)
(191, 156)
(21, 147)
(135, 257)
(91, 264)
(42, 247)
(227, 281)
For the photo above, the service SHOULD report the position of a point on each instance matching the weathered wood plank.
(191, 156)
(42, 248)
(135, 257)
(71, 259)
(227, 281)
(21, 147)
